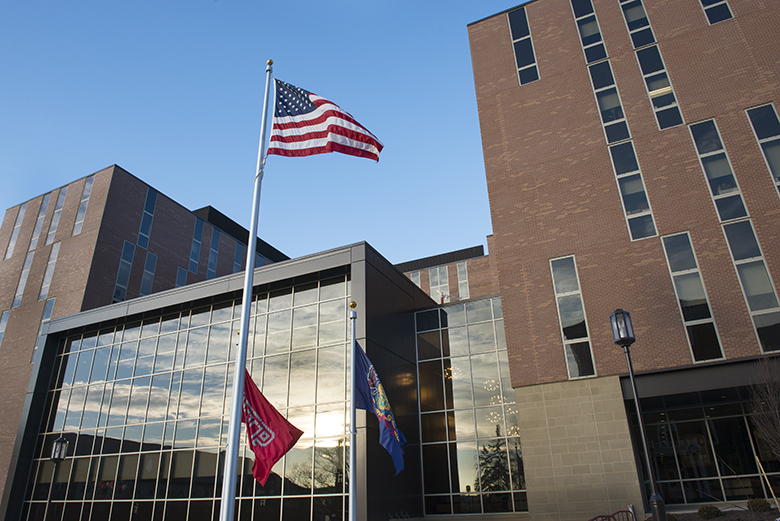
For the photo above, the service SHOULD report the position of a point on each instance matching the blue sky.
(172, 92)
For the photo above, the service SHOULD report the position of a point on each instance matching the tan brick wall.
(577, 452)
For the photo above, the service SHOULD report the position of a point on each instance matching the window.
(440, 287)
(637, 23)
(716, 10)
(463, 281)
(211, 270)
(636, 206)
(588, 27)
(146, 220)
(181, 277)
(148, 278)
(766, 128)
(571, 316)
(692, 298)
(55, 219)
(15, 233)
(717, 170)
(55, 251)
(415, 276)
(197, 236)
(523, 47)
(659, 88)
(23, 280)
(608, 100)
(83, 205)
(39, 222)
(3, 323)
(47, 310)
(238, 257)
(123, 274)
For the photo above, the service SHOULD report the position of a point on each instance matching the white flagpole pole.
(227, 506)
(352, 422)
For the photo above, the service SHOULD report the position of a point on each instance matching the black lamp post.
(59, 450)
(623, 335)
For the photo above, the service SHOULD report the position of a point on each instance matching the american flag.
(305, 124)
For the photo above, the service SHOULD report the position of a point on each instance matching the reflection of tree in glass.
(493, 466)
(329, 468)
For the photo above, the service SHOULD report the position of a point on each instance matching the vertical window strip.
(181, 277)
(692, 298)
(55, 250)
(715, 163)
(636, 205)
(571, 316)
(148, 278)
(47, 312)
(440, 287)
(3, 323)
(637, 23)
(522, 46)
(608, 101)
(238, 257)
(716, 10)
(15, 233)
(766, 128)
(463, 281)
(55, 219)
(83, 205)
(145, 230)
(211, 270)
(659, 87)
(39, 222)
(589, 31)
(23, 280)
(123, 273)
(197, 236)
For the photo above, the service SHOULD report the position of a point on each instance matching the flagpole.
(352, 421)
(227, 505)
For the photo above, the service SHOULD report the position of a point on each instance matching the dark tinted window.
(601, 75)
(764, 121)
(518, 24)
(524, 53)
(706, 137)
(581, 7)
(718, 13)
(650, 60)
(624, 158)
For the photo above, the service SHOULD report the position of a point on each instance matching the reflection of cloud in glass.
(331, 420)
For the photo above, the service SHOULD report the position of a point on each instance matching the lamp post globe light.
(59, 451)
(623, 335)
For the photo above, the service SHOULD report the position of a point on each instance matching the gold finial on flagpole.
(270, 62)
(353, 304)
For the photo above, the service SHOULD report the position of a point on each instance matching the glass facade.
(144, 406)
(703, 448)
(471, 454)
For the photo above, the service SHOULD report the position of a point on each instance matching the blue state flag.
(370, 396)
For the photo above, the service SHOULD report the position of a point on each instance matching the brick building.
(631, 152)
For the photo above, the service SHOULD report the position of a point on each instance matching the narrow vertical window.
(415, 276)
(692, 298)
(148, 278)
(766, 128)
(197, 236)
(47, 311)
(440, 287)
(39, 222)
(23, 280)
(15, 233)
(636, 206)
(238, 257)
(55, 251)
(146, 220)
(608, 100)
(3, 323)
(715, 163)
(463, 281)
(211, 270)
(571, 315)
(523, 47)
(123, 273)
(659, 88)
(181, 277)
(55, 219)
(637, 23)
(83, 205)
(716, 10)
(588, 27)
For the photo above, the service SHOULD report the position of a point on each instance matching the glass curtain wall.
(145, 408)
(472, 459)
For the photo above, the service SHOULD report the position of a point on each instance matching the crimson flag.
(270, 434)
